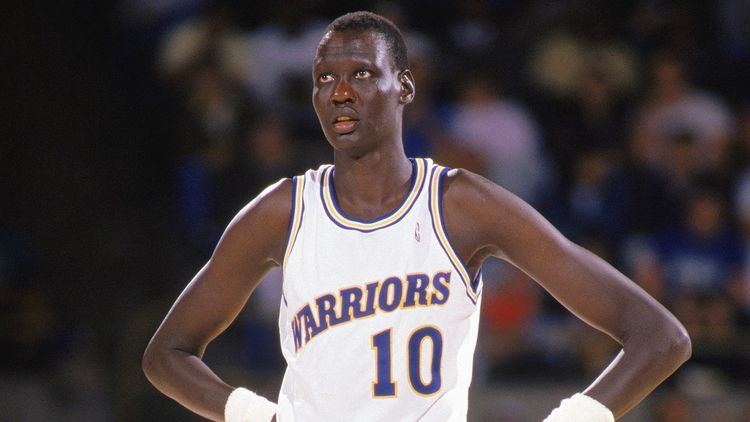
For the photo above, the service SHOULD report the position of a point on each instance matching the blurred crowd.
(627, 126)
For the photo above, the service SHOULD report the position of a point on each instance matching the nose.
(343, 93)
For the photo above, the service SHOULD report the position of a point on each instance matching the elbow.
(151, 362)
(681, 347)
(673, 345)
(666, 342)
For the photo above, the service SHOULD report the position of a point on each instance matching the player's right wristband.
(580, 408)
(245, 406)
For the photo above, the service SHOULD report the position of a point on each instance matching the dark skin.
(354, 76)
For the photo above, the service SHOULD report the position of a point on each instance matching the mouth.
(344, 125)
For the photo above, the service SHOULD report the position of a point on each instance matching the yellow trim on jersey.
(442, 237)
(298, 205)
(359, 225)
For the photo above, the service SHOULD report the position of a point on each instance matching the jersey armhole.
(437, 179)
(295, 216)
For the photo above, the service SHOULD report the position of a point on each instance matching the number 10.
(384, 386)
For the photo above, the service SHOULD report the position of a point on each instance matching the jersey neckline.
(337, 215)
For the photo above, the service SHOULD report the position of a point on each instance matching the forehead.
(359, 46)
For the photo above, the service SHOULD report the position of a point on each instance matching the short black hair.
(368, 21)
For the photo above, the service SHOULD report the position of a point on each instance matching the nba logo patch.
(416, 232)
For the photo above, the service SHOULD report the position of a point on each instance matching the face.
(358, 94)
(705, 215)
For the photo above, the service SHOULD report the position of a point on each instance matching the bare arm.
(252, 244)
(654, 343)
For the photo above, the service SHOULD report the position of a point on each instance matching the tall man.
(381, 257)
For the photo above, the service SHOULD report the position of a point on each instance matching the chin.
(350, 148)
(343, 141)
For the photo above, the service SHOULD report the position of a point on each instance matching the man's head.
(366, 22)
(361, 83)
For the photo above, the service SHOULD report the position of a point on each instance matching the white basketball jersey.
(378, 318)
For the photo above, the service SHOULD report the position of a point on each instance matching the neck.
(371, 185)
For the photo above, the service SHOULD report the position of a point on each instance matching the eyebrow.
(355, 58)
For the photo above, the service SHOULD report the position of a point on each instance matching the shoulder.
(470, 203)
(474, 194)
(262, 224)
(461, 183)
(486, 213)
(274, 202)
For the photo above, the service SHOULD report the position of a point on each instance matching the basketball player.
(381, 256)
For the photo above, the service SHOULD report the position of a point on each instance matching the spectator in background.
(598, 202)
(503, 135)
(599, 112)
(742, 213)
(643, 265)
(31, 335)
(215, 115)
(278, 57)
(682, 164)
(473, 33)
(562, 64)
(741, 153)
(651, 193)
(36, 347)
(583, 78)
(702, 263)
(216, 108)
(674, 107)
(511, 307)
(702, 256)
(212, 37)
(267, 152)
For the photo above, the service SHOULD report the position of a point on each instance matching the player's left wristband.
(245, 406)
(580, 408)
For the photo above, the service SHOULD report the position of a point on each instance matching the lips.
(345, 124)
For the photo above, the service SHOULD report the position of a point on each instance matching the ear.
(406, 79)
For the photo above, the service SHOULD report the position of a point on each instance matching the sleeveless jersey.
(378, 318)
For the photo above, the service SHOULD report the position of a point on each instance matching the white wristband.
(580, 408)
(245, 406)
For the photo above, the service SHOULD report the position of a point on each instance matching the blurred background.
(135, 129)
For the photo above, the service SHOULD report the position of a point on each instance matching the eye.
(325, 78)
(362, 74)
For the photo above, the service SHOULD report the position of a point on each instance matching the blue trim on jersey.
(473, 283)
(291, 218)
(335, 199)
(328, 174)
(435, 229)
(297, 184)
